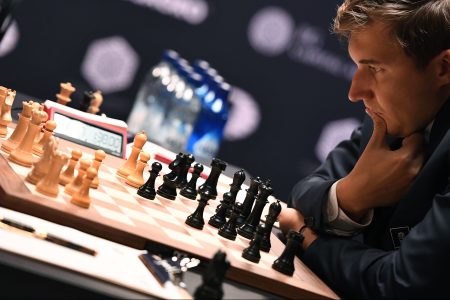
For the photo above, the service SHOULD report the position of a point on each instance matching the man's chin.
(396, 133)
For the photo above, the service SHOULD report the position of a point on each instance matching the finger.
(290, 218)
(378, 137)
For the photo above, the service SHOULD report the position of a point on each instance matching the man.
(379, 207)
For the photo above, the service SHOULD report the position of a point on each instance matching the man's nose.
(359, 88)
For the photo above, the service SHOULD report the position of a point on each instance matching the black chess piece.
(219, 218)
(228, 230)
(147, 190)
(187, 160)
(251, 253)
(250, 197)
(285, 263)
(168, 189)
(248, 228)
(235, 187)
(274, 212)
(217, 166)
(190, 190)
(212, 278)
(88, 96)
(196, 218)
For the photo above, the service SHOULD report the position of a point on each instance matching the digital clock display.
(88, 135)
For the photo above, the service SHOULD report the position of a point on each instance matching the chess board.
(117, 213)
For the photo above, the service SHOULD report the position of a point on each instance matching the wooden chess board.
(117, 213)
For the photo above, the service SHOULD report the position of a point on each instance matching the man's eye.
(374, 69)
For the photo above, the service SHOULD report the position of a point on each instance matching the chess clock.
(93, 131)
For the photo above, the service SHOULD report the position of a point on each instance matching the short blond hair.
(422, 27)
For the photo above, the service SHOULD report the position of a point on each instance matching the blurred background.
(288, 74)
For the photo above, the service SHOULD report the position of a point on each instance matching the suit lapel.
(431, 180)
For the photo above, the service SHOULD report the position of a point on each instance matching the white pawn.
(49, 185)
(99, 156)
(136, 178)
(69, 173)
(81, 197)
(130, 165)
(76, 183)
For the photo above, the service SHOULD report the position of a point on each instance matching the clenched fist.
(382, 176)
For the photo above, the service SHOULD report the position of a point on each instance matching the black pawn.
(285, 263)
(211, 287)
(168, 189)
(196, 218)
(188, 159)
(235, 187)
(248, 228)
(250, 197)
(274, 212)
(228, 230)
(147, 190)
(251, 253)
(210, 185)
(190, 190)
(219, 218)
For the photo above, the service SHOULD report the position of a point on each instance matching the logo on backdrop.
(244, 116)
(110, 64)
(191, 11)
(10, 39)
(272, 31)
(332, 133)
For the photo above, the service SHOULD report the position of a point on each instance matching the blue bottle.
(207, 134)
(184, 109)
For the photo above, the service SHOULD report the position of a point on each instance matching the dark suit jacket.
(405, 251)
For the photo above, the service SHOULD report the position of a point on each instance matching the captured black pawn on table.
(168, 189)
(251, 253)
(196, 218)
(248, 228)
(147, 190)
(210, 185)
(228, 230)
(285, 263)
(250, 197)
(271, 218)
(219, 218)
(212, 278)
(190, 190)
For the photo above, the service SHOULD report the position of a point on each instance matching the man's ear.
(443, 67)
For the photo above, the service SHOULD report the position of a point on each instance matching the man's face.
(390, 83)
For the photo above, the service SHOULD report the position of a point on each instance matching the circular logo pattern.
(270, 31)
(10, 39)
(333, 133)
(110, 64)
